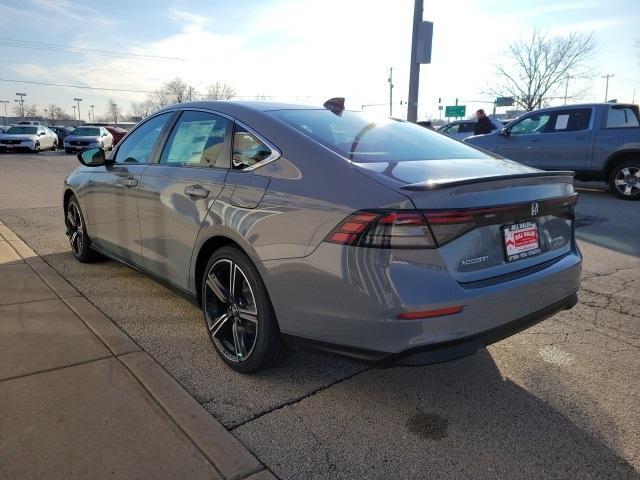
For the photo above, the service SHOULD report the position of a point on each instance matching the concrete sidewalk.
(80, 399)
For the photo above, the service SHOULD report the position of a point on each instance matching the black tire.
(267, 348)
(624, 180)
(80, 243)
(36, 148)
(54, 147)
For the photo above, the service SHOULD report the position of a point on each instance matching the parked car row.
(34, 136)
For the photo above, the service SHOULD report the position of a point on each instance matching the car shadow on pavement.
(460, 419)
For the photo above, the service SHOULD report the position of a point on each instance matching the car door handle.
(196, 191)
(129, 182)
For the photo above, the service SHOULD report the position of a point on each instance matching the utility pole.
(606, 91)
(21, 102)
(93, 115)
(414, 71)
(390, 80)
(74, 112)
(6, 119)
(115, 114)
(78, 100)
(566, 89)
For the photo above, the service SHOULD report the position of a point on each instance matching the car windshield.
(22, 130)
(366, 138)
(87, 132)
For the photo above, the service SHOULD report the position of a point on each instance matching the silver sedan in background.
(362, 235)
(88, 136)
(33, 138)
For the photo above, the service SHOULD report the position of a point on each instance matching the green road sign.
(455, 110)
(504, 101)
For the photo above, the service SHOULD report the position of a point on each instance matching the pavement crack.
(309, 394)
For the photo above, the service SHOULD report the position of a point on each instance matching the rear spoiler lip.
(467, 181)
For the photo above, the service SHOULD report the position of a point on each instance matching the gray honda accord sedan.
(362, 235)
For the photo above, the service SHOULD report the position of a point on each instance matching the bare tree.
(540, 66)
(220, 91)
(31, 111)
(142, 109)
(114, 110)
(55, 113)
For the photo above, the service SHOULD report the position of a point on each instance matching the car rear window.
(365, 138)
(22, 130)
(621, 117)
(87, 132)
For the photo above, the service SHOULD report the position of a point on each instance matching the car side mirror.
(92, 157)
(41, 134)
(505, 132)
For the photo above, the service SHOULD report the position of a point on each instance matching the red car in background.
(117, 133)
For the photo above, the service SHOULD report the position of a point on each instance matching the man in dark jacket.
(483, 125)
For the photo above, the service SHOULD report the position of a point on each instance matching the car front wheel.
(238, 314)
(624, 180)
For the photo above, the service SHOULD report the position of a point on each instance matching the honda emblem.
(534, 209)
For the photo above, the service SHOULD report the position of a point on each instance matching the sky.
(303, 51)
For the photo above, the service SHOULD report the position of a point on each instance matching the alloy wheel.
(627, 181)
(231, 311)
(75, 229)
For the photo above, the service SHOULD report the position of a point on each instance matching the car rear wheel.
(76, 231)
(624, 180)
(238, 314)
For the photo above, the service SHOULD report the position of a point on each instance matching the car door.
(111, 199)
(567, 142)
(43, 138)
(522, 141)
(177, 192)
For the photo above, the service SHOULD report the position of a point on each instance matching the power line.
(56, 47)
(84, 87)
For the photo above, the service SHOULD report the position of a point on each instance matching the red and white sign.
(521, 240)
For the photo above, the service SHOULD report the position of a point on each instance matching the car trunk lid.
(490, 217)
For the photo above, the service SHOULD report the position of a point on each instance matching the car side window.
(139, 145)
(452, 128)
(467, 127)
(531, 125)
(248, 149)
(621, 117)
(570, 120)
(197, 139)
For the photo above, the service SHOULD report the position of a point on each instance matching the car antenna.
(335, 105)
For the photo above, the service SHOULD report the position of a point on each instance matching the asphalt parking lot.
(560, 400)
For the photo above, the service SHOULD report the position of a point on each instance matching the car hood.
(83, 138)
(18, 136)
(432, 173)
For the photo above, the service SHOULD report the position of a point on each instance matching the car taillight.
(383, 229)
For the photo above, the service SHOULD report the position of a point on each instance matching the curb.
(227, 455)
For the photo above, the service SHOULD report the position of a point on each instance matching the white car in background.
(461, 129)
(88, 136)
(28, 137)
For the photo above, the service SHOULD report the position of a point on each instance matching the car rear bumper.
(353, 301)
(445, 351)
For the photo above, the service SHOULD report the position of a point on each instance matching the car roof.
(232, 107)
(582, 105)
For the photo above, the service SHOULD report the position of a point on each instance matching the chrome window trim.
(275, 152)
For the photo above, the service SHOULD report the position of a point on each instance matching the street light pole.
(21, 101)
(115, 114)
(414, 71)
(390, 80)
(606, 90)
(93, 115)
(78, 100)
(6, 119)
(74, 112)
